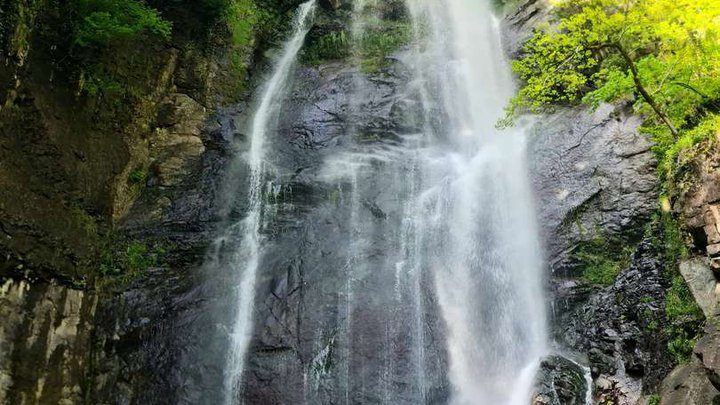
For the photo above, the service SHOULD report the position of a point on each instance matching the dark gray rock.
(305, 320)
(620, 327)
(560, 381)
(592, 173)
(520, 22)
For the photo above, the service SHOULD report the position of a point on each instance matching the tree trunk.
(643, 92)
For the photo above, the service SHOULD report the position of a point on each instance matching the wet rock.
(620, 327)
(336, 117)
(592, 172)
(560, 382)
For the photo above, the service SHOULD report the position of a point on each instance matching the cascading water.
(429, 289)
(246, 258)
(476, 208)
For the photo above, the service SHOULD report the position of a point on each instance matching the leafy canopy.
(106, 21)
(661, 55)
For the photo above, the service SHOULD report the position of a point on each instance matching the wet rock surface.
(560, 382)
(593, 174)
(620, 328)
(302, 313)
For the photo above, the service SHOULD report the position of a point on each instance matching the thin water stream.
(249, 251)
(440, 268)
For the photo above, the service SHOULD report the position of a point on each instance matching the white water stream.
(249, 252)
(457, 237)
(476, 208)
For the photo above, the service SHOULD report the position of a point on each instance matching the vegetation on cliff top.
(660, 56)
(105, 21)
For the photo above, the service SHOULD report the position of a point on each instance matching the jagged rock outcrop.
(560, 382)
(44, 339)
(697, 197)
(620, 328)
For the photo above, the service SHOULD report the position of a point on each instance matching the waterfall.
(481, 243)
(247, 255)
(421, 262)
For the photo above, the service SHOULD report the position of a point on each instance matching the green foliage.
(245, 20)
(334, 196)
(605, 50)
(334, 45)
(83, 220)
(138, 176)
(101, 26)
(136, 180)
(675, 154)
(683, 316)
(601, 261)
(95, 80)
(105, 21)
(654, 399)
(131, 260)
(379, 41)
(684, 319)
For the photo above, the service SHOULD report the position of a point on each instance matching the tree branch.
(643, 92)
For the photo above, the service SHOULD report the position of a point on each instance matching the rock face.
(703, 285)
(67, 162)
(561, 382)
(44, 338)
(301, 313)
(593, 174)
(620, 329)
(697, 199)
(521, 21)
(148, 342)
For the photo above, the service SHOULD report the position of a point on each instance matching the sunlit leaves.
(673, 44)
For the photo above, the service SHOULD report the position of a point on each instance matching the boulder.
(707, 350)
(688, 385)
(703, 285)
(560, 381)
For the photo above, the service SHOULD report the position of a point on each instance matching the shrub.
(684, 319)
(683, 316)
(601, 261)
(376, 44)
(131, 260)
(331, 46)
(105, 21)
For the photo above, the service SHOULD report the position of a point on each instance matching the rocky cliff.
(88, 185)
(98, 180)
